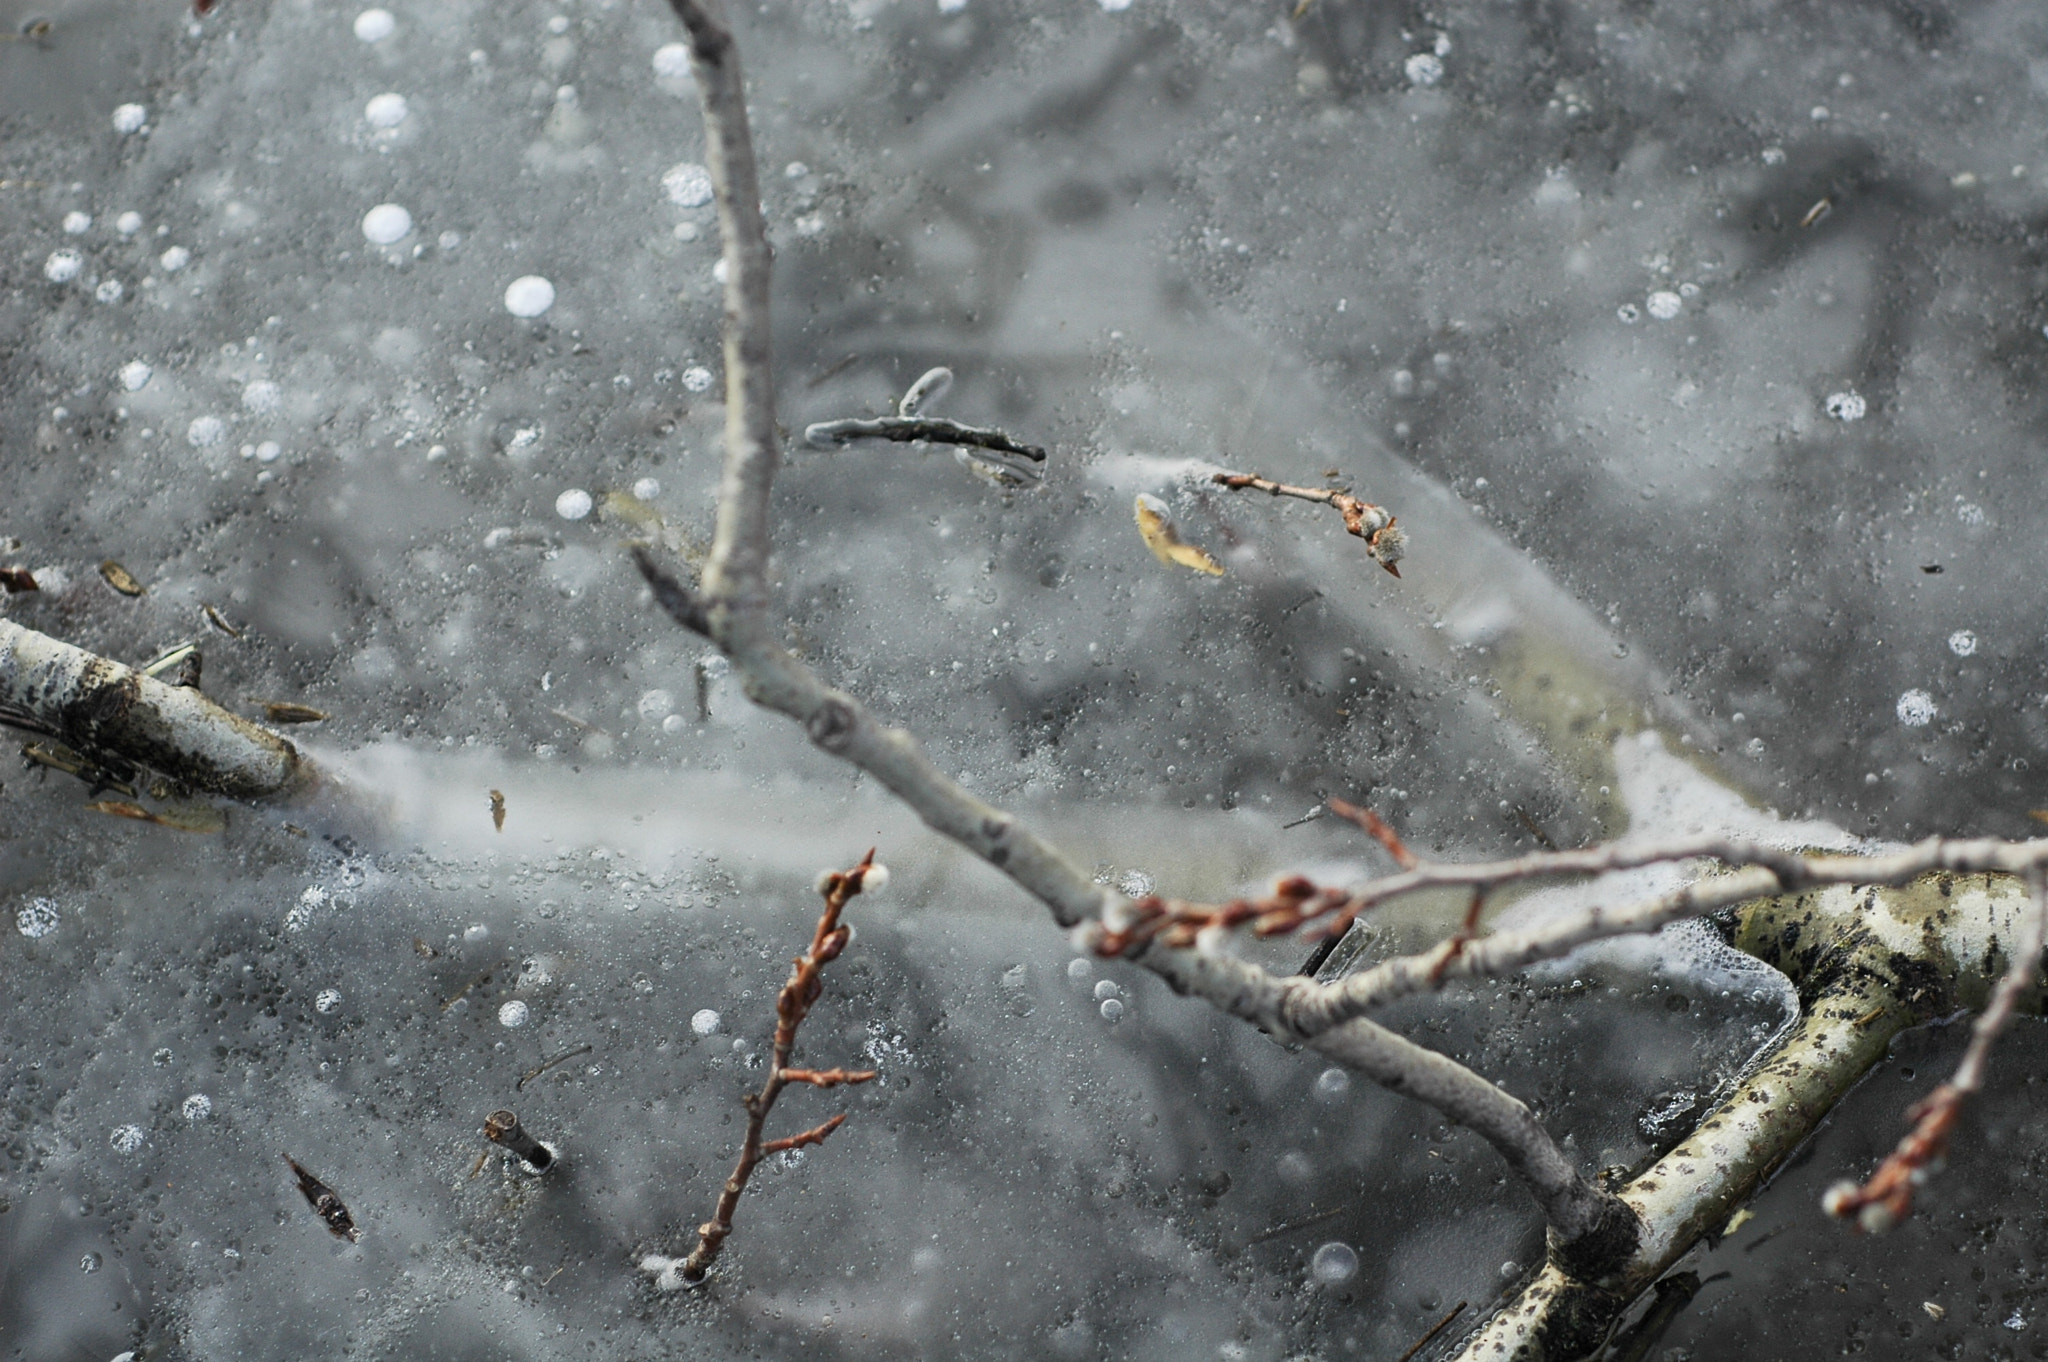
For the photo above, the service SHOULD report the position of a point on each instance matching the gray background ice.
(1589, 294)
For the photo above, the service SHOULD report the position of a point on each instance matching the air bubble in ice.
(687, 184)
(1962, 643)
(1106, 988)
(1112, 1011)
(375, 25)
(647, 489)
(1664, 305)
(529, 296)
(1424, 68)
(657, 704)
(36, 918)
(1135, 884)
(573, 504)
(1079, 968)
(1916, 709)
(161, 1056)
(1294, 1167)
(1333, 1264)
(63, 266)
(262, 395)
(476, 931)
(90, 1262)
(387, 224)
(514, 1014)
(268, 451)
(705, 1021)
(125, 1140)
(1970, 513)
(204, 432)
(197, 1107)
(697, 379)
(175, 259)
(1629, 313)
(387, 110)
(129, 223)
(130, 118)
(719, 271)
(1332, 1083)
(135, 375)
(109, 291)
(326, 1000)
(77, 223)
(1115, 6)
(1845, 406)
(672, 61)
(795, 170)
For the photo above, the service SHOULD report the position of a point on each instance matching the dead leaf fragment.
(284, 712)
(219, 621)
(17, 580)
(498, 810)
(201, 818)
(1165, 542)
(121, 579)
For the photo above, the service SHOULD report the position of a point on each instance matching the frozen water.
(387, 110)
(573, 504)
(647, 489)
(126, 1139)
(1112, 1010)
(77, 223)
(389, 223)
(1845, 406)
(205, 432)
(375, 25)
(1963, 643)
(36, 918)
(1332, 1083)
(129, 223)
(63, 266)
(261, 395)
(672, 61)
(697, 379)
(688, 185)
(135, 375)
(1664, 305)
(1916, 709)
(514, 1014)
(130, 118)
(109, 291)
(705, 1021)
(1333, 1264)
(327, 1000)
(529, 296)
(1423, 69)
(197, 1107)
(174, 259)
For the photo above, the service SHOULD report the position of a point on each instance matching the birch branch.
(116, 716)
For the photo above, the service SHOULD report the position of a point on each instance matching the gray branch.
(909, 429)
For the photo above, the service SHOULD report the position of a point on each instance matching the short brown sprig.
(1294, 902)
(792, 1005)
(1387, 542)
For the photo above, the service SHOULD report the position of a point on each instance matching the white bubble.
(326, 1000)
(795, 170)
(647, 489)
(1079, 968)
(63, 266)
(375, 25)
(1970, 513)
(657, 704)
(1136, 884)
(1845, 406)
(205, 432)
(1106, 988)
(952, 6)
(529, 296)
(77, 223)
(36, 918)
(514, 1014)
(687, 184)
(448, 241)
(705, 1021)
(1629, 313)
(127, 1139)
(130, 118)
(1664, 305)
(1424, 68)
(1115, 6)
(1333, 1264)
(573, 504)
(1294, 1167)
(1916, 709)
(175, 259)
(135, 375)
(387, 224)
(672, 61)
(268, 451)
(1332, 1083)
(129, 223)
(1774, 156)
(109, 291)
(385, 111)
(197, 1107)
(476, 931)
(719, 271)
(673, 724)
(1962, 643)
(90, 1261)
(262, 395)
(697, 378)
(1112, 1010)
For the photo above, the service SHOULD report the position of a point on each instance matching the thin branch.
(792, 1005)
(909, 429)
(1385, 541)
(683, 605)
(1887, 1197)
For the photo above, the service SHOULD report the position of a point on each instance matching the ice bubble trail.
(529, 296)
(327, 1000)
(647, 489)
(109, 291)
(126, 1139)
(697, 379)
(375, 25)
(386, 225)
(1423, 69)
(385, 111)
(1845, 406)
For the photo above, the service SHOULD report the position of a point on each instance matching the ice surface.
(1162, 241)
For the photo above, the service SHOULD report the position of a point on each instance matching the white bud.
(1875, 1218)
(1840, 1199)
(874, 878)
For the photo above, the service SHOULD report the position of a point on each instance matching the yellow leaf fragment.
(187, 817)
(121, 579)
(1165, 542)
(1737, 1221)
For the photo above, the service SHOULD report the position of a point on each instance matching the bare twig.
(1887, 1197)
(1385, 541)
(792, 1005)
(909, 429)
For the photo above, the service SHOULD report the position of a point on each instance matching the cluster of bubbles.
(36, 918)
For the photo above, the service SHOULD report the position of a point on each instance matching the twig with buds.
(792, 1005)
(1385, 541)
(1887, 1197)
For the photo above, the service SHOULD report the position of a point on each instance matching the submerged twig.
(325, 1203)
(537, 1070)
(910, 429)
(1385, 541)
(792, 1005)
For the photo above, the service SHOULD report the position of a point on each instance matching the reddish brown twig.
(1887, 1197)
(1374, 524)
(1294, 902)
(1467, 930)
(792, 1005)
(1377, 826)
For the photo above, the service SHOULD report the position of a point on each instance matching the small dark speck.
(1931, 569)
